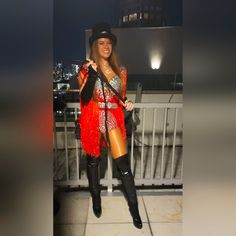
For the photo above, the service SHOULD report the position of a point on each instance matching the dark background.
(73, 17)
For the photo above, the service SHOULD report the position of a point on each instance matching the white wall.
(137, 48)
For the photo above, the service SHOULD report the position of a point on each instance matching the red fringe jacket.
(89, 119)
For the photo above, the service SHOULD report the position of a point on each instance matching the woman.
(102, 117)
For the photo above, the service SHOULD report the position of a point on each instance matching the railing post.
(66, 145)
(173, 147)
(109, 173)
(76, 148)
(163, 143)
(142, 150)
(132, 148)
(153, 141)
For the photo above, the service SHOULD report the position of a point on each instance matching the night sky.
(73, 17)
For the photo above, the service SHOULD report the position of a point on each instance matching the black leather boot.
(127, 180)
(94, 188)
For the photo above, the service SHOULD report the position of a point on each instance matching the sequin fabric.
(92, 118)
(115, 82)
(111, 121)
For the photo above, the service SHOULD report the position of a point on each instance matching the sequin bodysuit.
(92, 118)
(111, 100)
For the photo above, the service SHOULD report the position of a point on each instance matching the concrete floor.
(161, 213)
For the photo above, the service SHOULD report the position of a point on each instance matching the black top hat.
(101, 30)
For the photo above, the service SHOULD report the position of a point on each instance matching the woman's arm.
(87, 79)
(124, 76)
(84, 74)
(82, 79)
(129, 106)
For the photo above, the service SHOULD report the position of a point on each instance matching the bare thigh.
(117, 143)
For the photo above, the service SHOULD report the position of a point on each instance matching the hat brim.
(110, 36)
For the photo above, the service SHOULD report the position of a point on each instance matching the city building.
(140, 13)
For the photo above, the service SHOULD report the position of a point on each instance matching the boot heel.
(97, 209)
(135, 215)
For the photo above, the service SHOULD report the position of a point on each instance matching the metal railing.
(155, 149)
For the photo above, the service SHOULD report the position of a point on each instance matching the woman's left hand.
(129, 106)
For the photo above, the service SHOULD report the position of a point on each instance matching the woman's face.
(104, 47)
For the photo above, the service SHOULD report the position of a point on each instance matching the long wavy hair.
(113, 59)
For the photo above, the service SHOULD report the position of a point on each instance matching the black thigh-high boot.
(127, 180)
(94, 188)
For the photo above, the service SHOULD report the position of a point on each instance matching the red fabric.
(89, 120)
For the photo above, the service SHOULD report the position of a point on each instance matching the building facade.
(140, 13)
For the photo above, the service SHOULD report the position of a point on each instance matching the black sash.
(87, 92)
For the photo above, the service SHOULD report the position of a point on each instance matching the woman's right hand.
(92, 63)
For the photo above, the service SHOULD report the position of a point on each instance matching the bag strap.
(104, 79)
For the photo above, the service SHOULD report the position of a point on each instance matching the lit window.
(133, 16)
(140, 16)
(125, 18)
(145, 15)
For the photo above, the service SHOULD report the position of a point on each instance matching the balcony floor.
(161, 212)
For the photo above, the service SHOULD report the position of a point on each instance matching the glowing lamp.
(156, 62)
